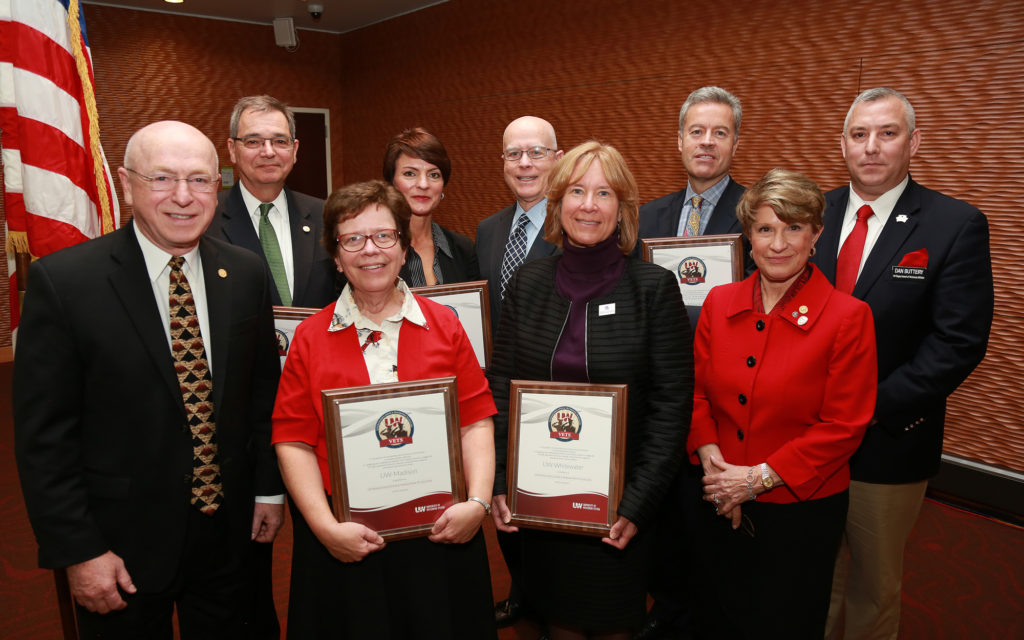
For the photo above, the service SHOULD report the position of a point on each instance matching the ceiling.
(339, 16)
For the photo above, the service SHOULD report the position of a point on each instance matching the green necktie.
(271, 249)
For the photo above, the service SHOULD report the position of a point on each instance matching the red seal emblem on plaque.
(692, 271)
(394, 429)
(565, 424)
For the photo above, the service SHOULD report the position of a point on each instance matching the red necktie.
(853, 249)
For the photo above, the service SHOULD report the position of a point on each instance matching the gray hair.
(261, 104)
(879, 93)
(713, 94)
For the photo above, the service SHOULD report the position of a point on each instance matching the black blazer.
(642, 344)
(660, 219)
(931, 331)
(491, 238)
(461, 267)
(103, 449)
(316, 277)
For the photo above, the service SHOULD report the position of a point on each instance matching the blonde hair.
(573, 165)
(792, 196)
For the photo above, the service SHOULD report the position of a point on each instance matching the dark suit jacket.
(491, 238)
(461, 267)
(316, 283)
(103, 449)
(931, 332)
(660, 219)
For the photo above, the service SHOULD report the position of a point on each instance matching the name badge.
(908, 273)
(606, 309)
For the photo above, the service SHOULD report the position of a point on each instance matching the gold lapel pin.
(222, 273)
(305, 228)
(803, 308)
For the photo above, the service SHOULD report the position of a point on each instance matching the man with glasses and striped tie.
(504, 241)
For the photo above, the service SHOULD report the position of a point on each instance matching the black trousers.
(209, 591)
(772, 577)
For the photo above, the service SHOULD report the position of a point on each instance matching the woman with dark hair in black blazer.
(594, 314)
(417, 164)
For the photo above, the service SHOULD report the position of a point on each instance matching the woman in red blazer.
(785, 386)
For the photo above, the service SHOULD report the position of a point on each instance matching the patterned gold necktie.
(196, 385)
(693, 222)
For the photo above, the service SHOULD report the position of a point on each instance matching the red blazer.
(319, 359)
(770, 389)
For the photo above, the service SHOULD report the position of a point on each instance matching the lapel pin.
(803, 308)
(802, 321)
(901, 218)
(222, 273)
(794, 314)
(305, 228)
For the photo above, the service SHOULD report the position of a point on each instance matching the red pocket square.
(917, 258)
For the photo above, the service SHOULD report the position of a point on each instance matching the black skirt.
(579, 581)
(411, 589)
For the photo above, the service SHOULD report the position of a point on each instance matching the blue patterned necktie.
(515, 252)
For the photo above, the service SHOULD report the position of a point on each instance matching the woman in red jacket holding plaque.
(345, 581)
(785, 387)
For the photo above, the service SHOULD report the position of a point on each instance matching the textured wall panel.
(618, 71)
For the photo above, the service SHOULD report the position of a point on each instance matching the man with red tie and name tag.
(921, 260)
(144, 382)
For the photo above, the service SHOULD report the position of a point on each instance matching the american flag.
(58, 187)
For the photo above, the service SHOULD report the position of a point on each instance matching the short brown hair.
(573, 165)
(418, 143)
(792, 196)
(351, 200)
(260, 104)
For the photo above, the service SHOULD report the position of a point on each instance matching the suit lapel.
(238, 229)
(130, 282)
(303, 245)
(217, 277)
(828, 243)
(893, 235)
(723, 218)
(668, 225)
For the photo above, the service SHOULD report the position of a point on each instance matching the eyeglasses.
(535, 153)
(199, 183)
(257, 142)
(384, 239)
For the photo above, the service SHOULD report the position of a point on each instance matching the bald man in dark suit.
(139, 478)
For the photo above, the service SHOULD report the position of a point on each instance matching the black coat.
(645, 343)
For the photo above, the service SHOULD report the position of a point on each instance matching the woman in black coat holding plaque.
(594, 314)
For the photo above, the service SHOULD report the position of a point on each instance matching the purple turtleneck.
(583, 273)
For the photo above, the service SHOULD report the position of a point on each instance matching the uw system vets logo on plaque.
(565, 424)
(394, 429)
(282, 342)
(692, 271)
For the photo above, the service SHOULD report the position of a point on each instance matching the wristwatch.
(486, 506)
(766, 478)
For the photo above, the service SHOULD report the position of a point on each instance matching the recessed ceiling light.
(174, 1)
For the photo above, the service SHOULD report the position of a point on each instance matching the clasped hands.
(726, 485)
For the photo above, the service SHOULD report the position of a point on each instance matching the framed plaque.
(395, 455)
(285, 321)
(698, 262)
(470, 303)
(566, 455)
